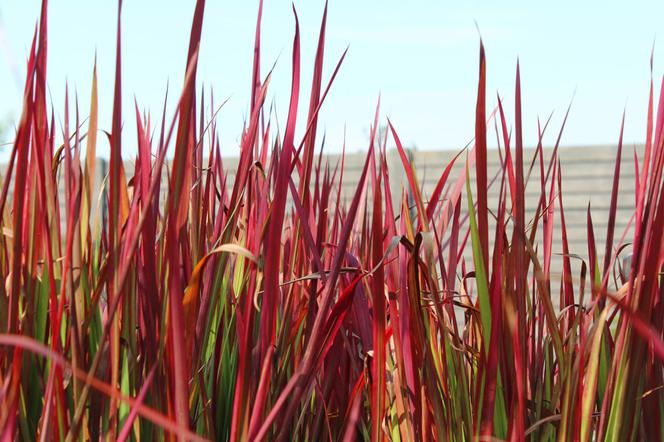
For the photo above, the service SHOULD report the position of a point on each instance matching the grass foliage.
(262, 305)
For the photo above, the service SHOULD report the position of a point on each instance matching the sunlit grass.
(268, 307)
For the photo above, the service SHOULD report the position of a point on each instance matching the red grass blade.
(378, 304)
(178, 203)
(412, 180)
(518, 425)
(271, 295)
(480, 156)
(612, 210)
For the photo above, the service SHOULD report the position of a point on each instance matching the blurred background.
(420, 57)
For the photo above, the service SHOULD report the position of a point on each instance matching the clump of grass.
(230, 313)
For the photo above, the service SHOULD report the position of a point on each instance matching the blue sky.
(421, 56)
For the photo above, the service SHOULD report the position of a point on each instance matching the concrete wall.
(587, 177)
(587, 174)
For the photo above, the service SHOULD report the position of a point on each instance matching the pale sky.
(420, 56)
